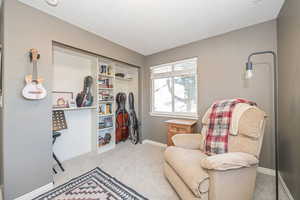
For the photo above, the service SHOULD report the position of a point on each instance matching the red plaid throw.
(216, 141)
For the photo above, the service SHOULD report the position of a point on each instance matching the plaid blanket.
(216, 141)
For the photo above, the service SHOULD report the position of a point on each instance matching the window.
(174, 89)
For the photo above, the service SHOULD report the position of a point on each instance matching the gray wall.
(27, 124)
(1, 132)
(289, 95)
(221, 61)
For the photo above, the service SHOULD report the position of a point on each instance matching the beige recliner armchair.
(229, 176)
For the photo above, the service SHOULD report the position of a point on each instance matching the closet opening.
(91, 104)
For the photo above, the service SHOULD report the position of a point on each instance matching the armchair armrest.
(188, 141)
(228, 161)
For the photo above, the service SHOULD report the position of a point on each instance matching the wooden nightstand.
(178, 126)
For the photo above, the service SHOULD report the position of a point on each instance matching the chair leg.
(54, 170)
(58, 162)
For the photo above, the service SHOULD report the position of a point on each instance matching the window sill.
(177, 116)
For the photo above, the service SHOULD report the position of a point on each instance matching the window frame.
(172, 74)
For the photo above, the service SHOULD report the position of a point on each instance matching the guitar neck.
(34, 71)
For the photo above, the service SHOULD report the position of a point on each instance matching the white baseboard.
(286, 189)
(266, 171)
(154, 143)
(1, 192)
(36, 192)
(271, 172)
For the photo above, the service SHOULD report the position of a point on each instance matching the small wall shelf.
(77, 108)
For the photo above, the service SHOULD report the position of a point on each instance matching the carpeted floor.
(140, 167)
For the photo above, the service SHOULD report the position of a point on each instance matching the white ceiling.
(150, 26)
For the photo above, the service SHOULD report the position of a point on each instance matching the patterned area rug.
(94, 185)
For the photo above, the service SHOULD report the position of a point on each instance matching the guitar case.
(133, 121)
(85, 97)
(122, 118)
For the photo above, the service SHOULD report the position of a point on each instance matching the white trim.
(271, 172)
(171, 115)
(36, 192)
(154, 143)
(175, 62)
(266, 171)
(285, 188)
(172, 74)
(1, 192)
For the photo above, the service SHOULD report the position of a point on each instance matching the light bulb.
(249, 74)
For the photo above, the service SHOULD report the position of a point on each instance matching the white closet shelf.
(104, 129)
(77, 108)
(107, 76)
(105, 88)
(106, 147)
(105, 115)
(104, 101)
(123, 79)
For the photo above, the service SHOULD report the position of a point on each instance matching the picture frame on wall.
(61, 99)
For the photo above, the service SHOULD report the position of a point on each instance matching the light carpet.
(141, 168)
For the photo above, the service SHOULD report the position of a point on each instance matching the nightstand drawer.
(177, 128)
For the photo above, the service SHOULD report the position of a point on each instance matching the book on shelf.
(105, 109)
(106, 122)
(105, 95)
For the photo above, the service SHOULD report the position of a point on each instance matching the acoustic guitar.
(34, 89)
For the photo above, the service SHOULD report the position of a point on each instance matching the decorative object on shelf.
(122, 118)
(109, 70)
(61, 99)
(121, 75)
(133, 121)
(34, 89)
(124, 76)
(106, 69)
(107, 138)
(101, 141)
(103, 69)
(104, 140)
(105, 82)
(72, 104)
(85, 97)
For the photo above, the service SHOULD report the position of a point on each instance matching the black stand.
(55, 135)
(58, 123)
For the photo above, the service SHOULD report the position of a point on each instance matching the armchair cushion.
(186, 164)
(228, 161)
(188, 141)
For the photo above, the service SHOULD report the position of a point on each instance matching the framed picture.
(62, 99)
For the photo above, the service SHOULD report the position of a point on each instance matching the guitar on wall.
(34, 89)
